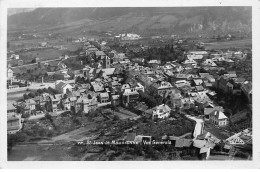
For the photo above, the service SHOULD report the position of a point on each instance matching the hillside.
(143, 20)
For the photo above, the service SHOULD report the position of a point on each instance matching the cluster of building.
(111, 79)
(128, 36)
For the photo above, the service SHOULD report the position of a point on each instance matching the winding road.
(199, 125)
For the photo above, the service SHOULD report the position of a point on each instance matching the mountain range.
(142, 20)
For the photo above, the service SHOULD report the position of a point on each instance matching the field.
(12, 96)
(39, 153)
(46, 53)
(43, 54)
(243, 43)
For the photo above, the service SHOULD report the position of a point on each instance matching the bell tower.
(106, 62)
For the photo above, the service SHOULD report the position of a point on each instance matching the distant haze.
(12, 11)
(142, 20)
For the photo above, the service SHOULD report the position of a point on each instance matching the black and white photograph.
(130, 83)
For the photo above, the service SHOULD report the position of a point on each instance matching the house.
(142, 139)
(199, 88)
(129, 95)
(63, 87)
(209, 62)
(115, 100)
(182, 76)
(162, 111)
(204, 75)
(238, 55)
(187, 103)
(97, 86)
(10, 73)
(14, 56)
(229, 62)
(229, 87)
(100, 54)
(218, 118)
(174, 100)
(66, 103)
(204, 53)
(10, 107)
(240, 138)
(45, 97)
(31, 104)
(231, 74)
(87, 102)
(204, 146)
(209, 137)
(246, 88)
(73, 100)
(208, 111)
(195, 57)
(160, 87)
(198, 82)
(239, 80)
(14, 123)
(207, 84)
(104, 98)
(221, 83)
(154, 62)
(139, 87)
(189, 61)
(55, 101)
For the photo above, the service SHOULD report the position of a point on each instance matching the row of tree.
(39, 92)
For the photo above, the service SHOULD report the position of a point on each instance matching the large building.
(218, 118)
(162, 111)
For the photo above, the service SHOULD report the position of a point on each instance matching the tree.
(78, 79)
(49, 117)
(115, 118)
(48, 107)
(38, 107)
(79, 113)
(45, 90)
(25, 115)
(61, 106)
(31, 95)
(89, 96)
(149, 100)
(25, 97)
(33, 60)
(73, 110)
(39, 91)
(12, 139)
(36, 94)
(33, 112)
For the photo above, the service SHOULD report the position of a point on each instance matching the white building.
(218, 118)
(162, 111)
(14, 123)
(63, 87)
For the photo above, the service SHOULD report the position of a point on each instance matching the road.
(35, 86)
(199, 125)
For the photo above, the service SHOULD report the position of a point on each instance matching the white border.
(131, 164)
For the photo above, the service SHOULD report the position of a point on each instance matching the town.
(161, 90)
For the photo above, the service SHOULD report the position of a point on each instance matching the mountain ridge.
(139, 19)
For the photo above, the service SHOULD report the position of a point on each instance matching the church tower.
(106, 62)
